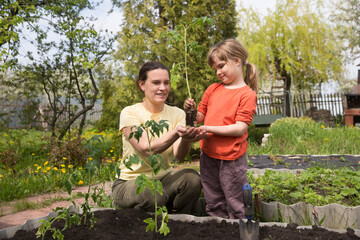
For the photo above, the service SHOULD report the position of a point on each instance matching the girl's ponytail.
(251, 76)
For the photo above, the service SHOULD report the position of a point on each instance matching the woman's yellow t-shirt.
(137, 114)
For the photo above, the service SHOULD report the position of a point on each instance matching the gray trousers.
(181, 190)
(222, 182)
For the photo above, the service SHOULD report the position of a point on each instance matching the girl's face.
(156, 87)
(230, 72)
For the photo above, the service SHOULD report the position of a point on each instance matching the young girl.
(227, 109)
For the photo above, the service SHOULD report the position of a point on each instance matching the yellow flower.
(323, 126)
(326, 139)
(63, 170)
(55, 168)
(64, 158)
(5, 135)
(90, 158)
(35, 165)
(48, 168)
(39, 167)
(11, 142)
(70, 166)
(111, 150)
(33, 154)
(80, 182)
(80, 168)
(36, 171)
(44, 170)
(46, 163)
(109, 161)
(1, 176)
(62, 165)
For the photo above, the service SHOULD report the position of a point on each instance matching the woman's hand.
(189, 103)
(191, 134)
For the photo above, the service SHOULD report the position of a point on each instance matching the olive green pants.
(181, 190)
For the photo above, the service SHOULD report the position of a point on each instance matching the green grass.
(26, 169)
(304, 136)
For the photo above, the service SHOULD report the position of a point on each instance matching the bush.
(256, 134)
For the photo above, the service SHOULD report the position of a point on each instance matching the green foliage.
(255, 134)
(317, 186)
(155, 162)
(34, 173)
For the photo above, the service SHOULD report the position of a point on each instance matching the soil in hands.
(127, 224)
(191, 117)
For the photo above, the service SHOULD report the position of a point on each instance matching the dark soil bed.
(128, 225)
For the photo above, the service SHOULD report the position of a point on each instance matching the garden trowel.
(249, 230)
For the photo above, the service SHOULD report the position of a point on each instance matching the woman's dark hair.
(147, 67)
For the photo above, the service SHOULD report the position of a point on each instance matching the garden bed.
(128, 224)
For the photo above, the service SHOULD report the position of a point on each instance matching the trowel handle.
(248, 203)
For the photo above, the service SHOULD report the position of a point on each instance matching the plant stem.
(186, 70)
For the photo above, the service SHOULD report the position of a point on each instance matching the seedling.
(180, 35)
(156, 163)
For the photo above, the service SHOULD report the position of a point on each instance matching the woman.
(181, 188)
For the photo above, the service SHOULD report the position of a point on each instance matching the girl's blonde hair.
(232, 49)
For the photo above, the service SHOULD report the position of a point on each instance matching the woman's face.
(157, 86)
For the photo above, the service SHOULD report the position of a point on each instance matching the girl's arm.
(233, 130)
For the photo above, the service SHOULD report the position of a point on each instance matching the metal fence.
(12, 114)
(272, 103)
(268, 104)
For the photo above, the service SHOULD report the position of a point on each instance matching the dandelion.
(36, 171)
(70, 166)
(326, 139)
(322, 126)
(63, 170)
(90, 158)
(80, 182)
(55, 168)
(48, 168)
(35, 165)
(46, 163)
(5, 135)
(44, 171)
(11, 142)
(39, 167)
(33, 154)
(64, 158)
(1, 176)
(111, 150)
(80, 168)
(62, 165)
(109, 161)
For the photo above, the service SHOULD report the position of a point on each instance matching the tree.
(14, 15)
(347, 17)
(63, 69)
(295, 42)
(141, 40)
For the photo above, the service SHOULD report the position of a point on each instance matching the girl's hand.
(189, 103)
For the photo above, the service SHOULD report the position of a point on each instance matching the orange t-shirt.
(222, 106)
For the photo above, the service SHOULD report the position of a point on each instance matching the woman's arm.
(158, 145)
(233, 130)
